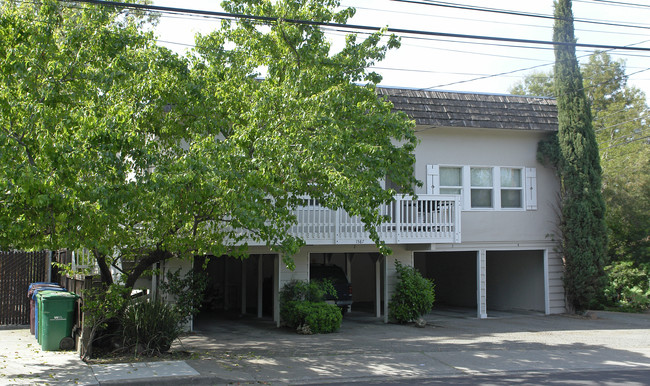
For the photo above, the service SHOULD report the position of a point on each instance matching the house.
(482, 226)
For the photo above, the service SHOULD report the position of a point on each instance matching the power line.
(270, 19)
(614, 3)
(491, 21)
(515, 13)
(627, 142)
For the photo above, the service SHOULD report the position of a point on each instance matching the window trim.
(520, 188)
(528, 188)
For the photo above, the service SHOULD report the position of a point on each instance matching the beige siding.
(460, 146)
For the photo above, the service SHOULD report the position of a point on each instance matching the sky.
(441, 63)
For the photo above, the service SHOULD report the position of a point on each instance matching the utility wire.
(270, 19)
(614, 3)
(515, 13)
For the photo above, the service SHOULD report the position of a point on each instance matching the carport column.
(283, 275)
(243, 286)
(378, 261)
(348, 271)
(260, 284)
(547, 299)
(390, 278)
(481, 286)
(276, 289)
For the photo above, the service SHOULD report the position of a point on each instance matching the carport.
(364, 272)
(487, 280)
(238, 286)
(454, 276)
(515, 280)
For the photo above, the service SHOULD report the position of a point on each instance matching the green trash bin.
(56, 318)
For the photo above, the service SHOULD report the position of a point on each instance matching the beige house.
(482, 226)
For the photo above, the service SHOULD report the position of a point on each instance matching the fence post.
(82, 339)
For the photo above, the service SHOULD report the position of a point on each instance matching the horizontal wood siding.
(555, 283)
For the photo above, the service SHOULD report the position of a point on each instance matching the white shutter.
(433, 179)
(531, 189)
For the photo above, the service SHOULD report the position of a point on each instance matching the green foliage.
(620, 120)
(105, 145)
(620, 117)
(302, 303)
(322, 318)
(584, 234)
(150, 327)
(414, 295)
(187, 291)
(628, 287)
(102, 304)
(535, 84)
(548, 151)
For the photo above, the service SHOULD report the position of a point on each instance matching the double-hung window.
(485, 187)
(511, 188)
(482, 187)
(451, 180)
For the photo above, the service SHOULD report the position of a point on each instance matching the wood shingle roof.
(489, 111)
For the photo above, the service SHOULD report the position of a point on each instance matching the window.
(481, 183)
(485, 187)
(451, 180)
(511, 188)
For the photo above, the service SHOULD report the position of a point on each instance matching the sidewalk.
(254, 351)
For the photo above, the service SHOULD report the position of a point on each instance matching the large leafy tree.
(584, 235)
(111, 143)
(620, 120)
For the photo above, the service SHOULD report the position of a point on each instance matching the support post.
(547, 298)
(260, 284)
(276, 290)
(378, 287)
(481, 306)
(348, 271)
(243, 286)
(385, 263)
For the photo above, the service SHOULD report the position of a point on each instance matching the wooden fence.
(17, 270)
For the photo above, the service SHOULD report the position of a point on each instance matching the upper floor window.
(485, 187)
(511, 188)
(481, 183)
(451, 180)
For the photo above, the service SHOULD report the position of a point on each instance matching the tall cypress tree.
(583, 228)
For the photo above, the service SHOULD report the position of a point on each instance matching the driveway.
(451, 344)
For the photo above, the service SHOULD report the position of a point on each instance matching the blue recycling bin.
(32, 301)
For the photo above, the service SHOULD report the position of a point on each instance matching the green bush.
(321, 317)
(188, 291)
(414, 295)
(302, 303)
(150, 327)
(628, 287)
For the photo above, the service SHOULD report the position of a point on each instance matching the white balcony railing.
(427, 219)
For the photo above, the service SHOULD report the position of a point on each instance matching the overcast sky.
(459, 64)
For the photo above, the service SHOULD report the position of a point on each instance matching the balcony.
(428, 219)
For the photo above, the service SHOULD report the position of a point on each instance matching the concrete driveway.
(453, 344)
(251, 350)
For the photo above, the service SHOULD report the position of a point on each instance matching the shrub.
(188, 291)
(302, 303)
(320, 317)
(628, 287)
(414, 295)
(150, 327)
(101, 306)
